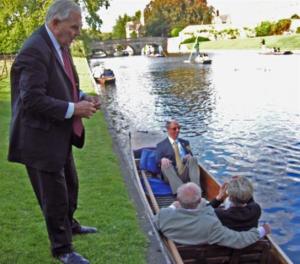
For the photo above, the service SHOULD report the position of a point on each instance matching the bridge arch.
(136, 44)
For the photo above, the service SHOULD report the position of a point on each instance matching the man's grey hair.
(169, 122)
(189, 195)
(240, 190)
(61, 9)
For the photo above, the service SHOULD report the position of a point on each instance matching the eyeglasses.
(175, 128)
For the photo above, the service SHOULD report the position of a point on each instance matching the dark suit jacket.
(40, 136)
(164, 149)
(238, 218)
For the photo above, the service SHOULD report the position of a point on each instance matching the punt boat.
(265, 251)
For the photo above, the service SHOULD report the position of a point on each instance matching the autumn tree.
(161, 16)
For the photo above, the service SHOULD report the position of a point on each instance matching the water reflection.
(241, 115)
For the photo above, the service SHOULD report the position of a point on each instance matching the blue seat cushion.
(159, 187)
(148, 161)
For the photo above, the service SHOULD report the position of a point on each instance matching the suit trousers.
(57, 194)
(191, 173)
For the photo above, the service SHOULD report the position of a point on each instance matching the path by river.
(241, 115)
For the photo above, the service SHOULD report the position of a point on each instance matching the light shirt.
(71, 106)
(182, 152)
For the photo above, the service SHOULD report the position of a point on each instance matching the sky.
(243, 12)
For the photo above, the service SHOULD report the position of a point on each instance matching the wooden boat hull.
(210, 188)
(105, 80)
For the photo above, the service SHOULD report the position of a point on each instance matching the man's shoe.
(82, 230)
(72, 258)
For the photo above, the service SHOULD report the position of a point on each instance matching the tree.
(19, 18)
(119, 29)
(161, 16)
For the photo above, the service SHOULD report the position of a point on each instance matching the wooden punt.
(106, 80)
(265, 251)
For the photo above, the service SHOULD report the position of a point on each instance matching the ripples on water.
(241, 115)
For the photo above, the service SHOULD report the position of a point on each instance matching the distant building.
(221, 19)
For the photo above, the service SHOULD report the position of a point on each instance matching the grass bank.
(103, 200)
(284, 42)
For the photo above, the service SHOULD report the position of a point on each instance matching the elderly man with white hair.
(47, 112)
(189, 221)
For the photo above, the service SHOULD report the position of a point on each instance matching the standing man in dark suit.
(47, 107)
(175, 158)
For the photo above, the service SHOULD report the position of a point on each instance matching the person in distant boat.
(240, 212)
(189, 221)
(175, 158)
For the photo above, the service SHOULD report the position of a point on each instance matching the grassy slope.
(103, 200)
(284, 42)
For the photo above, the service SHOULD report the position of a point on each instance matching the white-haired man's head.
(64, 20)
(189, 195)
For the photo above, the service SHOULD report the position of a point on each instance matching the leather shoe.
(82, 230)
(72, 258)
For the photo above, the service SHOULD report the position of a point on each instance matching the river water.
(241, 115)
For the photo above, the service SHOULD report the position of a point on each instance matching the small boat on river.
(107, 76)
(265, 251)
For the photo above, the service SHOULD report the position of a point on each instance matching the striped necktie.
(77, 122)
(179, 163)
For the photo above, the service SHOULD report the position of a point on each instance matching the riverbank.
(291, 42)
(103, 200)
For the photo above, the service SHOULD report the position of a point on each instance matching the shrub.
(175, 31)
(78, 49)
(281, 26)
(298, 30)
(193, 39)
(295, 16)
(264, 29)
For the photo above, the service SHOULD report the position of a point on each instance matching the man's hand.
(84, 109)
(222, 192)
(267, 228)
(165, 163)
(176, 204)
(187, 157)
(95, 100)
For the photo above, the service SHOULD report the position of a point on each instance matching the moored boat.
(265, 251)
(106, 77)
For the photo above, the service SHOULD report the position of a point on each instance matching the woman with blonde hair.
(240, 212)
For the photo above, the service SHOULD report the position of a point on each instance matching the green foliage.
(267, 28)
(193, 40)
(298, 30)
(295, 16)
(133, 35)
(264, 29)
(119, 29)
(78, 49)
(175, 31)
(163, 15)
(19, 18)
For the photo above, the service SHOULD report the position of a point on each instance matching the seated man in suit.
(189, 221)
(240, 211)
(175, 158)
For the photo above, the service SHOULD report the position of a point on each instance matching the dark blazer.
(40, 136)
(164, 149)
(238, 218)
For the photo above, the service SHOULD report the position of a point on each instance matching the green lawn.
(284, 42)
(103, 200)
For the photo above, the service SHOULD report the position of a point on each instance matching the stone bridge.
(110, 46)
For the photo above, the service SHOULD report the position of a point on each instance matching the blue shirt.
(71, 106)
